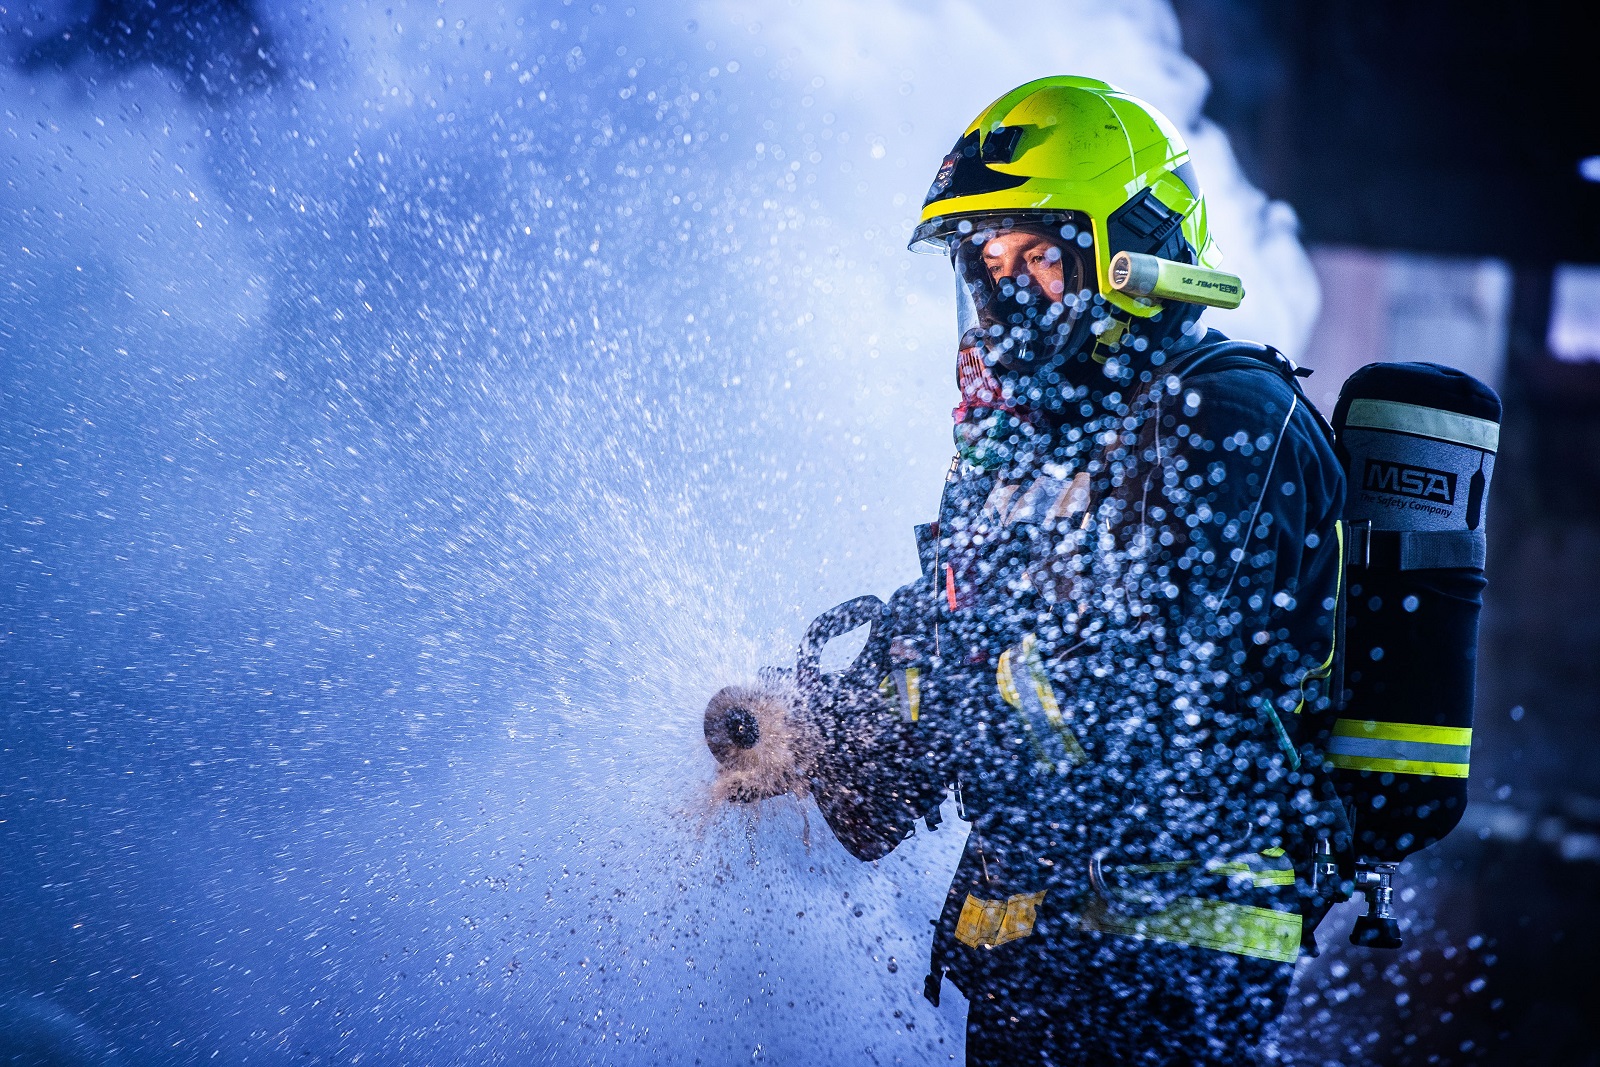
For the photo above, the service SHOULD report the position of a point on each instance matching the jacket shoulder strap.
(1243, 355)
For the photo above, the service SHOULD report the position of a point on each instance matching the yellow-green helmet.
(1068, 147)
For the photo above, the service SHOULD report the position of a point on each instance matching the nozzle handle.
(835, 622)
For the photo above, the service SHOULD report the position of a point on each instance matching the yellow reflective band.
(1041, 681)
(1023, 683)
(1264, 871)
(908, 687)
(1110, 336)
(1440, 425)
(1214, 924)
(1400, 748)
(1261, 879)
(1157, 868)
(1403, 731)
(990, 923)
(1004, 682)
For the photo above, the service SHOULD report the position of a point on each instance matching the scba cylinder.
(1418, 441)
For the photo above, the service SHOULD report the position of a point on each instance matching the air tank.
(1418, 443)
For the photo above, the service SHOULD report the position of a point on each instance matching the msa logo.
(1419, 482)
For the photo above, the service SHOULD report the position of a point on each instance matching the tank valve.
(1325, 869)
(1379, 927)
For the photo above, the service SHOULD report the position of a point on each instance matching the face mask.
(1024, 304)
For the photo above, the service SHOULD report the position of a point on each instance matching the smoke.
(398, 457)
(910, 76)
(113, 187)
(40, 1033)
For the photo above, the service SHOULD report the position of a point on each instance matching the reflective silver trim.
(1413, 751)
(1440, 425)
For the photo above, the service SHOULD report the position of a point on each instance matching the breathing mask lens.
(1022, 287)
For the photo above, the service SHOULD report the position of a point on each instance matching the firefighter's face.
(1029, 260)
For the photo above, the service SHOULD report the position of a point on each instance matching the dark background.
(1455, 129)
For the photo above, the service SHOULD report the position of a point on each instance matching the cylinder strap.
(1416, 550)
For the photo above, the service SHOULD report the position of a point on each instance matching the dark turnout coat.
(1118, 657)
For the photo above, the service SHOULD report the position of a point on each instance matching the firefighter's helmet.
(1096, 172)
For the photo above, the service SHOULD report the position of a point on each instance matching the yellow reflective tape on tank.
(1403, 731)
(1378, 765)
(1440, 425)
(1401, 748)
(1219, 925)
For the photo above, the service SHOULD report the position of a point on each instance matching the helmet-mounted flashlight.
(1140, 275)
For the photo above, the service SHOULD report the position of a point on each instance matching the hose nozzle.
(761, 749)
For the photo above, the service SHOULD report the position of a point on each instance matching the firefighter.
(1121, 641)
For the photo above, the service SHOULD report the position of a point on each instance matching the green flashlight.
(1140, 275)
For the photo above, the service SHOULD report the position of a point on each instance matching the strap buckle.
(1358, 544)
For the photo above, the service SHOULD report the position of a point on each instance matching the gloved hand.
(869, 778)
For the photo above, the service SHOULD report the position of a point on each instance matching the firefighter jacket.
(1117, 657)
